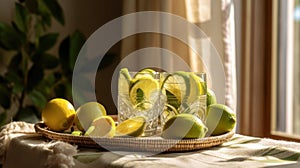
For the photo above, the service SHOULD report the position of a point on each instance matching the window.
(286, 71)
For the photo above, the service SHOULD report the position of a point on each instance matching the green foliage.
(34, 75)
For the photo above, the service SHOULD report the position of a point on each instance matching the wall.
(86, 16)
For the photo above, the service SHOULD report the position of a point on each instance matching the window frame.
(258, 60)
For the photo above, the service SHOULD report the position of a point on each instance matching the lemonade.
(139, 95)
(185, 93)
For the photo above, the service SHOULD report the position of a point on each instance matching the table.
(20, 146)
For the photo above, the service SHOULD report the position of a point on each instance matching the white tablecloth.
(20, 147)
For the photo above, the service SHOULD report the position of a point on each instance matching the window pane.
(288, 69)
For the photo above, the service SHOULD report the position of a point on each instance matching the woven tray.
(141, 144)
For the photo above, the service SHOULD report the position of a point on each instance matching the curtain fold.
(214, 18)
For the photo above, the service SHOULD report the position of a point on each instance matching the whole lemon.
(58, 114)
(86, 114)
(221, 119)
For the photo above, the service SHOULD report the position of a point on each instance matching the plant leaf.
(47, 41)
(76, 42)
(32, 5)
(15, 62)
(37, 98)
(5, 96)
(16, 80)
(49, 61)
(3, 118)
(21, 18)
(10, 39)
(56, 10)
(35, 76)
(44, 12)
(46, 85)
(60, 90)
(64, 55)
(27, 114)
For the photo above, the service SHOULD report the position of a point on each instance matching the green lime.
(143, 92)
(221, 119)
(184, 126)
(132, 127)
(211, 97)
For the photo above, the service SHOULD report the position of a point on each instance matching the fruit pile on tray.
(176, 120)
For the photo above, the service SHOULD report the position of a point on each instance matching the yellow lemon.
(184, 126)
(132, 127)
(86, 113)
(103, 126)
(221, 119)
(58, 114)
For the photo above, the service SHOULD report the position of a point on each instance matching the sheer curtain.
(214, 18)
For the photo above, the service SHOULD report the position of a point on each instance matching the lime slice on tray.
(134, 127)
(143, 92)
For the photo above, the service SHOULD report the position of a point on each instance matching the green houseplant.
(33, 74)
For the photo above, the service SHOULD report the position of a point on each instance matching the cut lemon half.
(134, 127)
(86, 113)
(143, 92)
(103, 126)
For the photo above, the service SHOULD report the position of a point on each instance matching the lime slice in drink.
(143, 92)
(145, 72)
(195, 88)
(177, 87)
(124, 80)
(202, 83)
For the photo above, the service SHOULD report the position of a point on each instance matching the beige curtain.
(215, 18)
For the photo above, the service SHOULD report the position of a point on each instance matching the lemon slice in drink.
(134, 127)
(143, 92)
